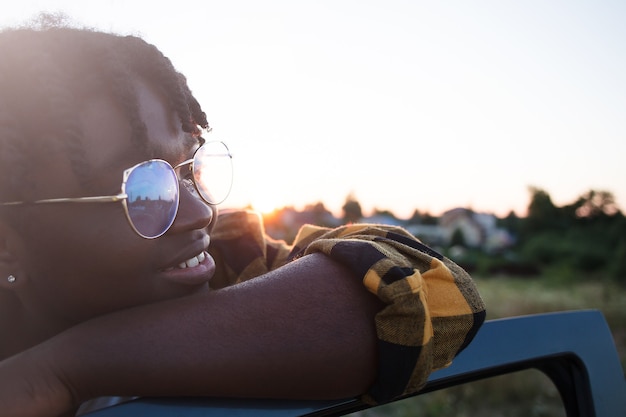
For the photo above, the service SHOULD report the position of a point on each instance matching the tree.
(594, 204)
(458, 238)
(511, 222)
(319, 215)
(384, 213)
(423, 218)
(351, 210)
(543, 215)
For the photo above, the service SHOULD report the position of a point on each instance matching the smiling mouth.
(191, 262)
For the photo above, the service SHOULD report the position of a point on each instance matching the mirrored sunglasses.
(150, 190)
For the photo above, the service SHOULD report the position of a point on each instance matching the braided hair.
(44, 74)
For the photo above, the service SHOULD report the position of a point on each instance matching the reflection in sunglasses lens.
(152, 189)
(213, 171)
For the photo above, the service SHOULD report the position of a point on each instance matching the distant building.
(382, 218)
(479, 229)
(285, 223)
(430, 234)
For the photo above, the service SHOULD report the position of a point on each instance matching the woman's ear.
(10, 270)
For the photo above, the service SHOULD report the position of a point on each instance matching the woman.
(117, 280)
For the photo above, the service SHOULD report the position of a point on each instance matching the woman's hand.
(30, 386)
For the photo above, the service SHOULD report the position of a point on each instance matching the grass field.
(506, 297)
(527, 393)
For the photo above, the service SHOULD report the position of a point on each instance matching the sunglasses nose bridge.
(193, 211)
(188, 185)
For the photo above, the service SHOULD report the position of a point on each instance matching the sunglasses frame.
(122, 196)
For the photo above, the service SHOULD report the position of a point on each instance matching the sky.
(404, 104)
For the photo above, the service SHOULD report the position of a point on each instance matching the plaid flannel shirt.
(432, 307)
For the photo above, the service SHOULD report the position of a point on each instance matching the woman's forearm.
(303, 331)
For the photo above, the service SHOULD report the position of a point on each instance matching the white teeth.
(192, 262)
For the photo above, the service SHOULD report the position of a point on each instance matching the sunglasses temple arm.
(98, 199)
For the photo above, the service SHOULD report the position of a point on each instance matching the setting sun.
(432, 110)
(265, 206)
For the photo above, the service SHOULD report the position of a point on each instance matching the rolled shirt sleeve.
(432, 308)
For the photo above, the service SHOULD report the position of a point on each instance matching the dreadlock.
(44, 74)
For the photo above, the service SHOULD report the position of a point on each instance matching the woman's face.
(77, 261)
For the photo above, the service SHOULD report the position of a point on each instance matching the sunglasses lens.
(152, 189)
(213, 171)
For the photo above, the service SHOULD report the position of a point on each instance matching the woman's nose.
(193, 212)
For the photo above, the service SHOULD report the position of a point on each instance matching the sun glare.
(265, 206)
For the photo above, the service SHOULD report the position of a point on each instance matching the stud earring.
(11, 279)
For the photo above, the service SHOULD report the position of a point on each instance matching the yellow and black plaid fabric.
(432, 307)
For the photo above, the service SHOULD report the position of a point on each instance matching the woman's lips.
(194, 271)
